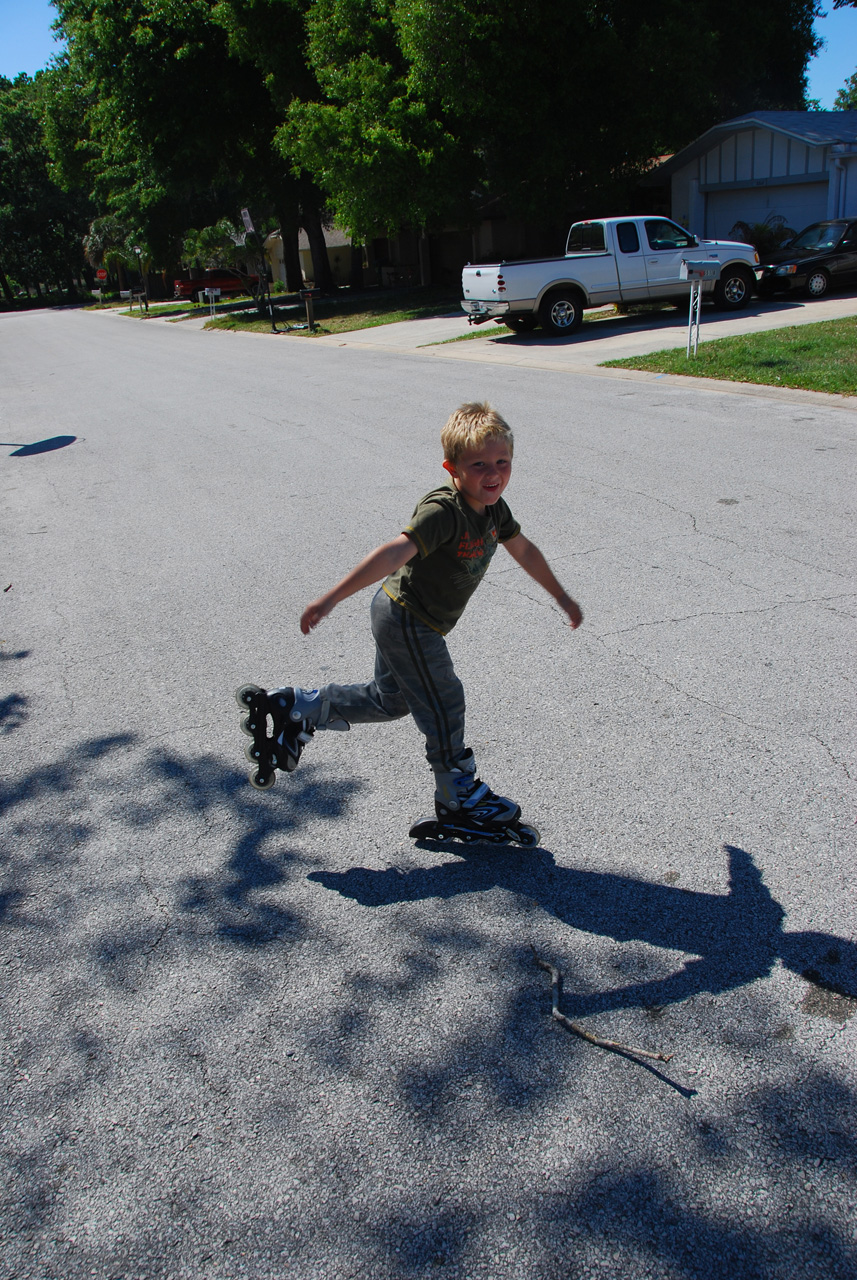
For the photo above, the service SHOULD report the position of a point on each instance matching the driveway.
(265, 1035)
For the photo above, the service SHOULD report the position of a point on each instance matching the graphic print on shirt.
(474, 553)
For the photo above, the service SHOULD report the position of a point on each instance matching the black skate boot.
(468, 810)
(293, 716)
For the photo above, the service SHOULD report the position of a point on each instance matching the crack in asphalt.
(720, 613)
(835, 759)
(162, 909)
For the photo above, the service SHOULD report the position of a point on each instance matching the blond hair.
(471, 426)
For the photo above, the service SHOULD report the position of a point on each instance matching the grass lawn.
(341, 315)
(814, 357)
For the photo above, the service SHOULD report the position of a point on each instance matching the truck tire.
(521, 324)
(734, 289)
(561, 312)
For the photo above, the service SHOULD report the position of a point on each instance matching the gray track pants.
(413, 675)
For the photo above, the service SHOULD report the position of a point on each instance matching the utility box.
(699, 270)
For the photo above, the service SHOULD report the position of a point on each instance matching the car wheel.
(561, 312)
(734, 289)
(817, 283)
(521, 324)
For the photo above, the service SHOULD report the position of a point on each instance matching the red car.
(228, 282)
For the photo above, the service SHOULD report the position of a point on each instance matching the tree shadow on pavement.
(213, 1058)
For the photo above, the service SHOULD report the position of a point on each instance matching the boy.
(429, 573)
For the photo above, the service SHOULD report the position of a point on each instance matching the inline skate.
(292, 715)
(466, 809)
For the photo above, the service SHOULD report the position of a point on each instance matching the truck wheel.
(561, 312)
(817, 283)
(521, 324)
(734, 289)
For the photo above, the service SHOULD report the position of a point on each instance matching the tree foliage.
(40, 222)
(426, 107)
(386, 114)
(178, 130)
(846, 98)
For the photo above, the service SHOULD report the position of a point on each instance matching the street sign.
(101, 274)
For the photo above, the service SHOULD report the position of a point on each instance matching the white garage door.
(799, 205)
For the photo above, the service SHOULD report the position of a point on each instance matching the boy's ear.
(448, 466)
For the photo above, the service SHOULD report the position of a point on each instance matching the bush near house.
(765, 236)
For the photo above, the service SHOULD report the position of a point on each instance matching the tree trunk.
(7, 288)
(425, 260)
(355, 280)
(311, 220)
(289, 230)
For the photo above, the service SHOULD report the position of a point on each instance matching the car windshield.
(821, 235)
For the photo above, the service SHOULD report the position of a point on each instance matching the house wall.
(751, 174)
(842, 196)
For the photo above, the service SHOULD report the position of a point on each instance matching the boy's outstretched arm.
(378, 564)
(530, 558)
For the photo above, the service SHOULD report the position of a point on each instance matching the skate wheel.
(248, 726)
(528, 837)
(246, 693)
(263, 781)
(254, 754)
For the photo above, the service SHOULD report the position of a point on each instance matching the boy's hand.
(313, 614)
(573, 609)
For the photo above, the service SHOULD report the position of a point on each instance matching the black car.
(822, 257)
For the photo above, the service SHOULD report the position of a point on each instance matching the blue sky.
(26, 44)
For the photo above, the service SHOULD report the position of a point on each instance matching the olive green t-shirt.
(455, 545)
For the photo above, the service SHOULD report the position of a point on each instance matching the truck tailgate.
(483, 284)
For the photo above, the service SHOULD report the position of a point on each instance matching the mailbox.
(699, 270)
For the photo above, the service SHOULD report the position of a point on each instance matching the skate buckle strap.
(306, 706)
(479, 792)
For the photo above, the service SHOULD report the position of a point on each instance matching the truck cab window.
(667, 235)
(626, 234)
(586, 237)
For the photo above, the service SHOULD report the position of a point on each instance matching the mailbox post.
(306, 294)
(696, 273)
(211, 294)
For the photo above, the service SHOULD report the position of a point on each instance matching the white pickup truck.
(622, 260)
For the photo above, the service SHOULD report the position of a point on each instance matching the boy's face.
(480, 475)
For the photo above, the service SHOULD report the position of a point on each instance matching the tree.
(269, 35)
(179, 131)
(40, 223)
(427, 107)
(846, 98)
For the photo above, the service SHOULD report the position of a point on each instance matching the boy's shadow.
(730, 939)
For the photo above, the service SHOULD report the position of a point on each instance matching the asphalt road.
(264, 1035)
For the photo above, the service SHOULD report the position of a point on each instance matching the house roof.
(815, 128)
